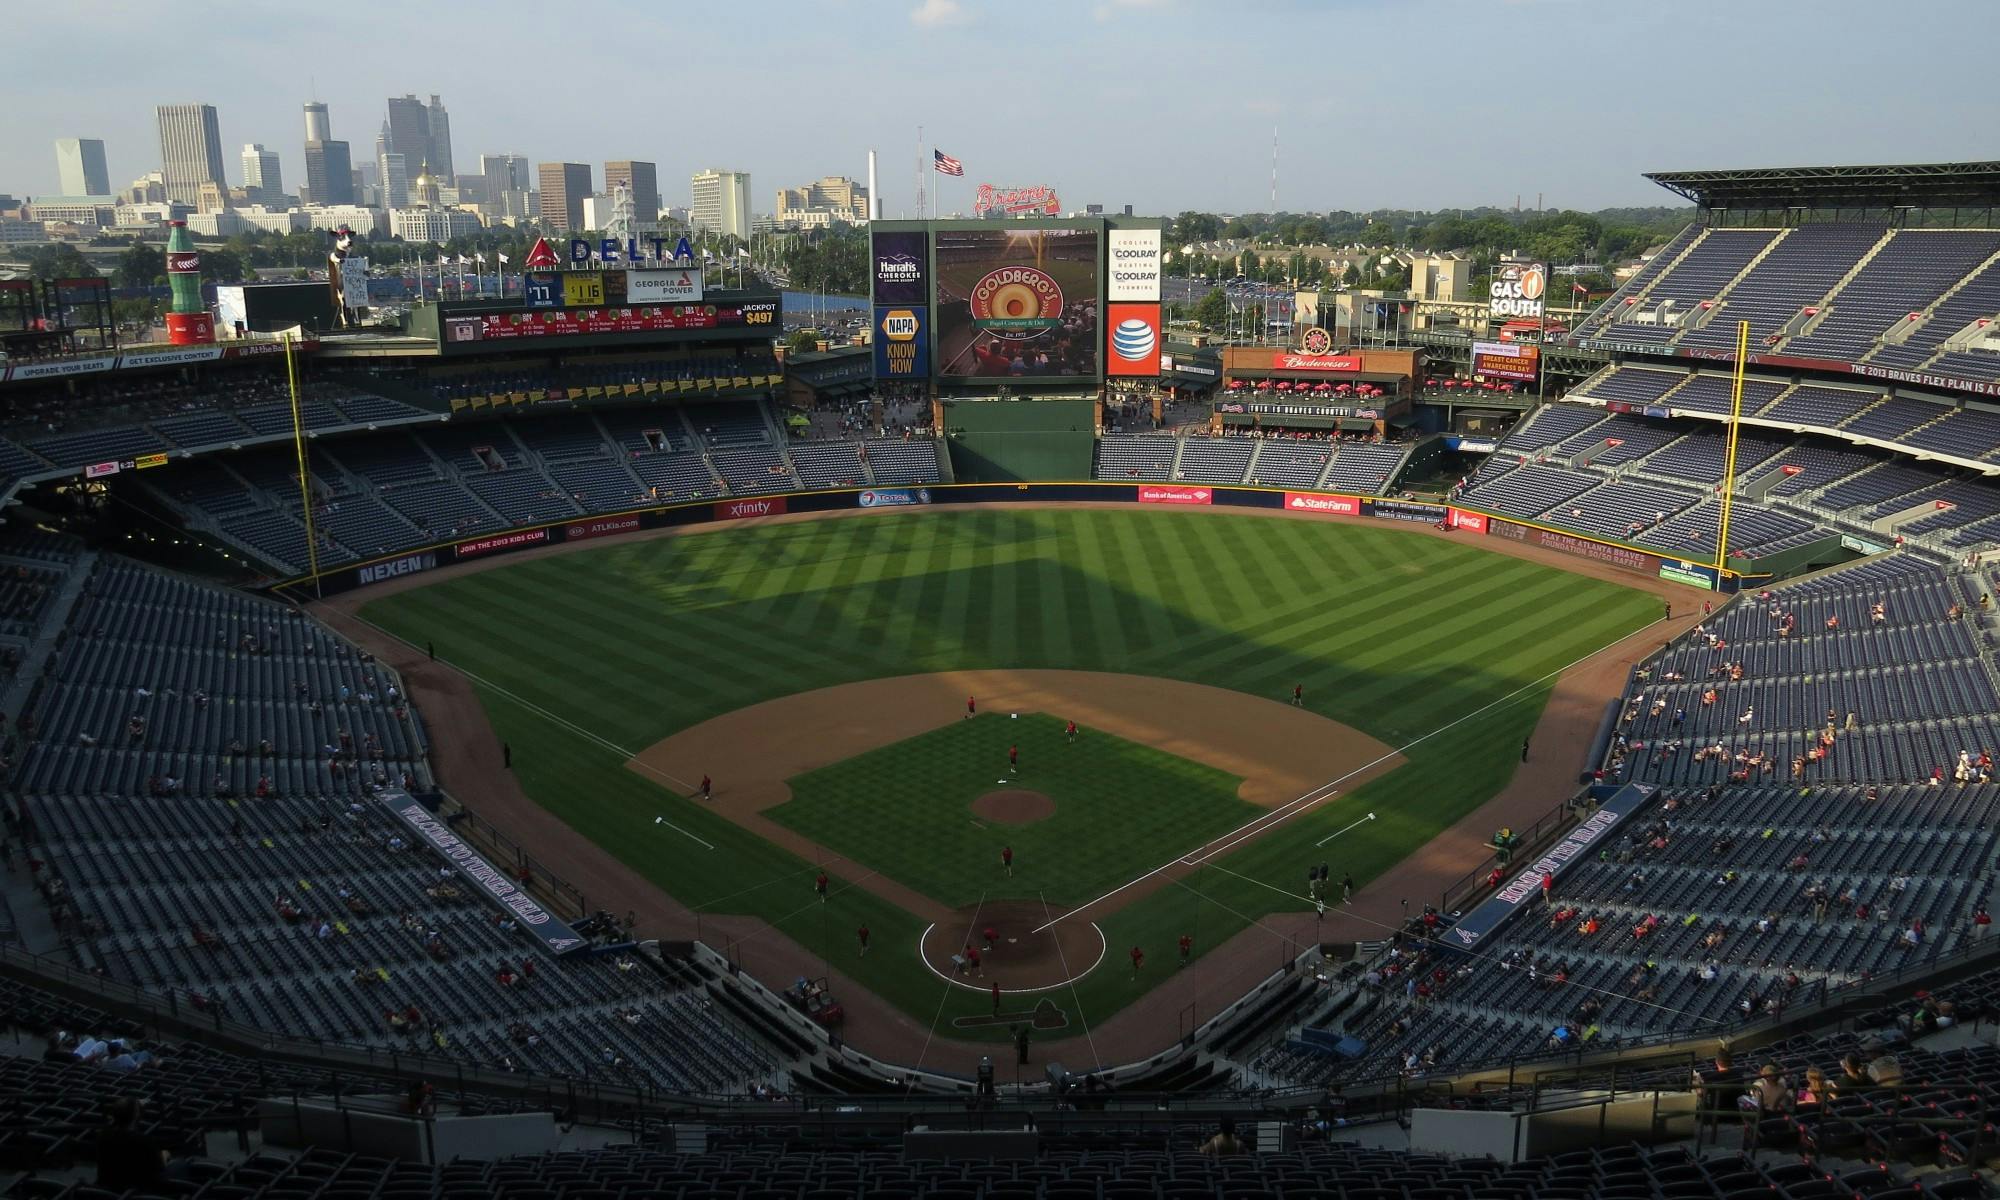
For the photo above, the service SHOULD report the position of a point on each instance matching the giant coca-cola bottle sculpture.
(188, 319)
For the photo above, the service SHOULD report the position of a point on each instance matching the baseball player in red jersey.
(1007, 860)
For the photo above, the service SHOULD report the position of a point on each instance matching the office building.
(190, 150)
(721, 202)
(260, 170)
(642, 179)
(507, 184)
(440, 125)
(431, 224)
(420, 132)
(834, 198)
(329, 174)
(319, 126)
(395, 176)
(80, 165)
(563, 186)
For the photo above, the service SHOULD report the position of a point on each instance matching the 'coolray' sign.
(1134, 266)
(554, 933)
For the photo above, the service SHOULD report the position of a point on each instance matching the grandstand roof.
(1920, 185)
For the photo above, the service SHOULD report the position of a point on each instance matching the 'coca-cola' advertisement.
(1461, 519)
(1155, 494)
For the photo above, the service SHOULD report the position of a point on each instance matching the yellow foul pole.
(305, 475)
(1729, 457)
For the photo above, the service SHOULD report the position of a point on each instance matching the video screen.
(1017, 303)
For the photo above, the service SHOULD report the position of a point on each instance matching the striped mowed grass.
(1393, 633)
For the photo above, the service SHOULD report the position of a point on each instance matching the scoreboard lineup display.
(1021, 301)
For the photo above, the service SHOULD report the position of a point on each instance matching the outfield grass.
(1392, 633)
(906, 810)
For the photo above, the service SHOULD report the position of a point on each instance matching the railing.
(1545, 830)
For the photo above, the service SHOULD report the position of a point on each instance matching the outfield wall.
(1472, 522)
(1017, 441)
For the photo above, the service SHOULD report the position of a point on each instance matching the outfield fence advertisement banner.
(1461, 519)
(578, 531)
(1408, 510)
(761, 506)
(500, 541)
(1314, 502)
(893, 497)
(1677, 570)
(1617, 556)
(408, 564)
(1517, 892)
(554, 933)
(1160, 494)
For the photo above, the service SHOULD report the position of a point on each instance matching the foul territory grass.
(906, 810)
(1392, 632)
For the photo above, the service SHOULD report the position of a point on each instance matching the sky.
(1165, 105)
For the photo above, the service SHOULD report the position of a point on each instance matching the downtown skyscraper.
(190, 151)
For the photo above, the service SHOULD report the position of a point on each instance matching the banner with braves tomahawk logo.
(1494, 911)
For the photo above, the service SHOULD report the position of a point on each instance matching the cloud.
(934, 14)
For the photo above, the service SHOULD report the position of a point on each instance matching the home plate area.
(1022, 961)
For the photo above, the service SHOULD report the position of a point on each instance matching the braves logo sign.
(1017, 302)
(1315, 341)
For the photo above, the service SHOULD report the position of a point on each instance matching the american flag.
(946, 164)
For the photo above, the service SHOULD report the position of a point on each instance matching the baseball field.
(820, 672)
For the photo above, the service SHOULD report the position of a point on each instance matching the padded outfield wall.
(1019, 441)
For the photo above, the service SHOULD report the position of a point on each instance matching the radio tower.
(1274, 170)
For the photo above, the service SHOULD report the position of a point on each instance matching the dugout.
(1015, 440)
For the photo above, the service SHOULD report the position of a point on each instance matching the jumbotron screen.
(1017, 303)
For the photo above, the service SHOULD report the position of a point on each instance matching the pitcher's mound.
(1013, 806)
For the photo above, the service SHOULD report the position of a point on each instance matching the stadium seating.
(199, 786)
(1845, 291)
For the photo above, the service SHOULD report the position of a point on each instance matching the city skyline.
(1183, 118)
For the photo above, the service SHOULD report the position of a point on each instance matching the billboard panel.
(1132, 343)
(1134, 272)
(899, 268)
(504, 326)
(902, 343)
(1016, 302)
(1152, 493)
(1518, 290)
(1285, 360)
(583, 289)
(1321, 502)
(1506, 360)
(676, 286)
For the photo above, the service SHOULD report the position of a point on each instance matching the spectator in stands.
(1225, 1140)
(126, 1158)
